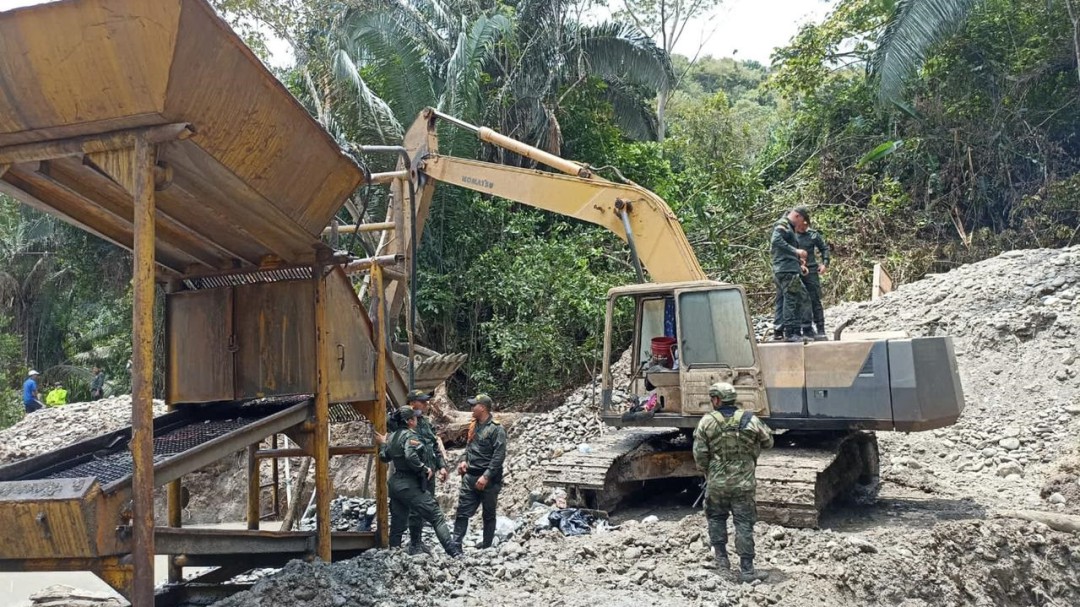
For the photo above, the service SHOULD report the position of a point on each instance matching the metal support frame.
(253, 487)
(142, 376)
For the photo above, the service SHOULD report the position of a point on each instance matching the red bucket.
(661, 350)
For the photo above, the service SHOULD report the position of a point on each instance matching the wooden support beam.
(361, 265)
(142, 375)
(79, 146)
(297, 452)
(253, 487)
(321, 445)
(382, 502)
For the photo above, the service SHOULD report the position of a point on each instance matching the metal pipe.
(253, 487)
(142, 374)
(507, 143)
(387, 177)
(622, 208)
(363, 227)
(297, 452)
(274, 488)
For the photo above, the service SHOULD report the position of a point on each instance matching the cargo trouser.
(407, 496)
(812, 282)
(469, 500)
(416, 522)
(796, 302)
(743, 509)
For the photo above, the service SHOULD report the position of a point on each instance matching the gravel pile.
(1015, 322)
(346, 514)
(55, 427)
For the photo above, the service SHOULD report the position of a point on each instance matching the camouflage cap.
(724, 390)
(419, 395)
(482, 399)
(406, 413)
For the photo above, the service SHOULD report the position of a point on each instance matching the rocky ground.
(944, 531)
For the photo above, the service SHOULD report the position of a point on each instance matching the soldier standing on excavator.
(727, 443)
(788, 264)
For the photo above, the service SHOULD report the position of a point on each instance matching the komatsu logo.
(480, 183)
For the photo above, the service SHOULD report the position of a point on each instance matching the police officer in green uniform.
(811, 241)
(727, 443)
(403, 447)
(788, 261)
(432, 457)
(481, 470)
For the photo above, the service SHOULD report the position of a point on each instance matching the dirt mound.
(55, 427)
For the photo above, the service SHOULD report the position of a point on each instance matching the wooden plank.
(204, 177)
(351, 356)
(199, 332)
(91, 218)
(253, 125)
(67, 63)
(275, 339)
(52, 192)
(93, 144)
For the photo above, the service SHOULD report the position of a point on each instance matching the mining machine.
(824, 400)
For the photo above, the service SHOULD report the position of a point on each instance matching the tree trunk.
(297, 492)
(661, 109)
(1060, 522)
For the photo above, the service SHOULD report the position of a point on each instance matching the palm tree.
(503, 66)
(916, 27)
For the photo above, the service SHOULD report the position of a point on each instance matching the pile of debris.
(346, 514)
(1015, 323)
(61, 595)
(55, 427)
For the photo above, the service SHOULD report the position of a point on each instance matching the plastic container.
(661, 350)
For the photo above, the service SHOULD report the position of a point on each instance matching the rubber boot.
(489, 534)
(461, 525)
(747, 573)
(449, 542)
(722, 560)
(821, 335)
(778, 335)
(416, 541)
(794, 338)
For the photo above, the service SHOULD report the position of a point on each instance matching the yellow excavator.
(824, 400)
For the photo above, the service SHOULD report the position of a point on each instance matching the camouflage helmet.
(723, 390)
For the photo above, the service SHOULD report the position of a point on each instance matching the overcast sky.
(745, 29)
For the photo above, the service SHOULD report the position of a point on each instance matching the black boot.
(721, 556)
(461, 525)
(489, 534)
(747, 573)
(416, 541)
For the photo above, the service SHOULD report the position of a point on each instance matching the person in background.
(31, 396)
(97, 384)
(810, 240)
(57, 396)
(788, 265)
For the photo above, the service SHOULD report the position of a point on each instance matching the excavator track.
(796, 481)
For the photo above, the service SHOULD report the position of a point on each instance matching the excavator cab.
(686, 337)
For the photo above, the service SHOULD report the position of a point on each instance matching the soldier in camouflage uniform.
(727, 443)
(787, 265)
(481, 470)
(403, 447)
(432, 457)
(811, 241)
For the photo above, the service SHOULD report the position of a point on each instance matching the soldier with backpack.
(727, 443)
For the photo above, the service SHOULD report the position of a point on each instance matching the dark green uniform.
(432, 457)
(811, 242)
(406, 485)
(727, 443)
(484, 456)
(787, 271)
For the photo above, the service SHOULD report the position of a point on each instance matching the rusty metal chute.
(247, 175)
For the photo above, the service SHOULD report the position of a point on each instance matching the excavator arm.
(654, 231)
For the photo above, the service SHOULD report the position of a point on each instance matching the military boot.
(778, 335)
(489, 534)
(721, 556)
(418, 548)
(794, 339)
(821, 335)
(747, 573)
